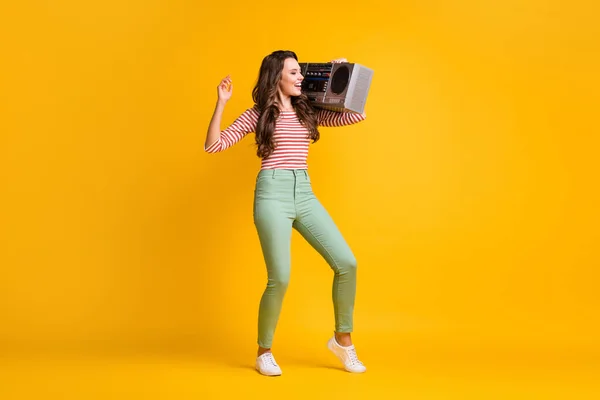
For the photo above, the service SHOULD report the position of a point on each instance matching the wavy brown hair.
(266, 99)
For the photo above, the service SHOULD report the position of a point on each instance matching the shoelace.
(353, 357)
(270, 360)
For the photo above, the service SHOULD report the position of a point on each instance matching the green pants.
(283, 199)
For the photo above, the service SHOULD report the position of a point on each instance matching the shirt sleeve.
(336, 118)
(243, 125)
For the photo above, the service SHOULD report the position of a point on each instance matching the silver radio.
(337, 86)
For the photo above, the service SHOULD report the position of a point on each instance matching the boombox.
(337, 86)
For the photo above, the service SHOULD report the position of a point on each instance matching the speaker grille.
(361, 89)
(339, 81)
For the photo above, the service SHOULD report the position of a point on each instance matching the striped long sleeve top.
(291, 137)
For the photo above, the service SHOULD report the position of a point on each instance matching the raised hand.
(225, 89)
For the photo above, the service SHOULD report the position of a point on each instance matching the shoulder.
(252, 113)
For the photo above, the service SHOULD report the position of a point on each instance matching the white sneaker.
(347, 355)
(266, 365)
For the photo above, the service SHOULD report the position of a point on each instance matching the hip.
(282, 184)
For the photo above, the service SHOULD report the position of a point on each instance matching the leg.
(314, 223)
(274, 229)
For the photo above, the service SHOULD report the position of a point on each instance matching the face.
(291, 78)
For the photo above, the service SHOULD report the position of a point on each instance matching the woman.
(285, 122)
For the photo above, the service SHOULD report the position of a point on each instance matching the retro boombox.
(336, 86)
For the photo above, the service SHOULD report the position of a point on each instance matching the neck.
(285, 102)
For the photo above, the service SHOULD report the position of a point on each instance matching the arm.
(243, 125)
(334, 118)
(214, 128)
(217, 140)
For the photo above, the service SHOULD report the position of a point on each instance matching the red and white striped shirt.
(291, 137)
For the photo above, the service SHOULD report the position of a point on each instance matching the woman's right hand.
(225, 89)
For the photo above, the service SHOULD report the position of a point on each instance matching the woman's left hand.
(339, 60)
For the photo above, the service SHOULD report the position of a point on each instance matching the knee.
(279, 283)
(347, 264)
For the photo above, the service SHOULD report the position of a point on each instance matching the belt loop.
(306, 174)
(273, 175)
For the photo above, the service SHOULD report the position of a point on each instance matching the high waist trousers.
(284, 200)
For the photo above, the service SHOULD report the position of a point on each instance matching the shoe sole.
(265, 374)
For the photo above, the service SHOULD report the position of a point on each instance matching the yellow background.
(469, 196)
